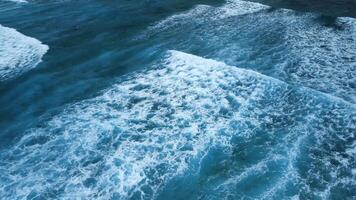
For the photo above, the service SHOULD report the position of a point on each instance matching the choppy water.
(175, 100)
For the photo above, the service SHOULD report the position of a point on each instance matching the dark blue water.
(177, 100)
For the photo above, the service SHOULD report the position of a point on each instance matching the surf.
(164, 124)
(18, 53)
(298, 48)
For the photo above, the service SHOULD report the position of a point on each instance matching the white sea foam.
(132, 139)
(18, 53)
(325, 56)
(18, 1)
(205, 13)
(238, 7)
(136, 135)
(295, 47)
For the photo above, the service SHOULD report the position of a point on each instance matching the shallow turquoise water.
(175, 100)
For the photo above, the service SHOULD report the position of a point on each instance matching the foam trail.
(18, 53)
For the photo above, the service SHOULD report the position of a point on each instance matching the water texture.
(176, 100)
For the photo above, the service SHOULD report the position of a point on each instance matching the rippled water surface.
(151, 99)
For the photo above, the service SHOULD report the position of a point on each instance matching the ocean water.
(153, 99)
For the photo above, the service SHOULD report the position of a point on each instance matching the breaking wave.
(18, 1)
(299, 48)
(18, 53)
(189, 119)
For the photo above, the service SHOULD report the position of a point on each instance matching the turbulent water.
(18, 52)
(175, 100)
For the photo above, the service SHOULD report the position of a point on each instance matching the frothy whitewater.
(166, 122)
(288, 45)
(242, 101)
(19, 53)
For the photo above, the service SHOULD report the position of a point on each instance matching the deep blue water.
(177, 99)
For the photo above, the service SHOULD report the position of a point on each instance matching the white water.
(18, 1)
(142, 132)
(291, 46)
(18, 53)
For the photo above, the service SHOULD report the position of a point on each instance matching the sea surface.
(178, 99)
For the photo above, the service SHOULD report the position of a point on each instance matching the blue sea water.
(176, 100)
